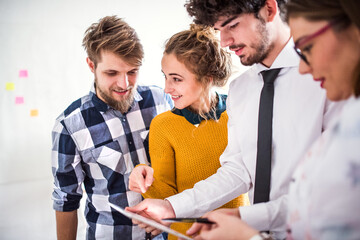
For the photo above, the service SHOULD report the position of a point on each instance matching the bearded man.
(100, 137)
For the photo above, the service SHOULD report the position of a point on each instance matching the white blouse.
(324, 195)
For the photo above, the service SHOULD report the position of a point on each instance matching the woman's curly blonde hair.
(199, 50)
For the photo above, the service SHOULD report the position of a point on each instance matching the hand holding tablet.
(149, 222)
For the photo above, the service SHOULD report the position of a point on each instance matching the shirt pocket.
(110, 155)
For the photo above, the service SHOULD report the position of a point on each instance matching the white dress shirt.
(301, 113)
(324, 197)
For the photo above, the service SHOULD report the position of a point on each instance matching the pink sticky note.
(34, 112)
(23, 73)
(19, 100)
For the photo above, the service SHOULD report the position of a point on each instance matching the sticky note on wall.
(23, 73)
(10, 86)
(34, 112)
(19, 100)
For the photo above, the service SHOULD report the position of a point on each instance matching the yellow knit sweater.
(182, 154)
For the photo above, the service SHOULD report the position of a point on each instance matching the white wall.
(44, 37)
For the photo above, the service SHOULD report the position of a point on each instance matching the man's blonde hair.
(113, 34)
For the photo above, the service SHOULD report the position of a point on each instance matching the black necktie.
(264, 145)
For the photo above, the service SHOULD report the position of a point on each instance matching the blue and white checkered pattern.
(98, 146)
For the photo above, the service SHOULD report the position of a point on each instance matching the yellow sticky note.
(34, 112)
(10, 86)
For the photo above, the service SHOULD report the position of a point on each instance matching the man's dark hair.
(207, 12)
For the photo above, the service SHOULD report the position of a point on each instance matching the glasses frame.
(306, 39)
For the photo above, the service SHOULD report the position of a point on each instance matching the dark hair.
(207, 12)
(199, 50)
(346, 12)
(115, 35)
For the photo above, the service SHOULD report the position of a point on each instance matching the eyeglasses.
(304, 40)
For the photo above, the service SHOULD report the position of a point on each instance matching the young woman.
(185, 144)
(325, 191)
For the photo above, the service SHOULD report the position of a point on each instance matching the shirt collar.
(101, 106)
(195, 118)
(286, 58)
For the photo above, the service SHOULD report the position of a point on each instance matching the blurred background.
(43, 70)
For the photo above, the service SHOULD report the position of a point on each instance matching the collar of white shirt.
(287, 58)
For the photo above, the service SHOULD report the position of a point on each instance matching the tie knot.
(269, 76)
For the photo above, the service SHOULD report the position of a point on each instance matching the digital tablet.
(149, 222)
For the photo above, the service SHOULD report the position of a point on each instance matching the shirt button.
(130, 142)
(124, 120)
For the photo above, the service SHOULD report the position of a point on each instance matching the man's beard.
(124, 104)
(262, 47)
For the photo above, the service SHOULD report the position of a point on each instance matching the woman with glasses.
(325, 191)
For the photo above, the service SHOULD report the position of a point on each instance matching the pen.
(189, 220)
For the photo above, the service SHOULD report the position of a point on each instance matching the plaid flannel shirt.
(98, 147)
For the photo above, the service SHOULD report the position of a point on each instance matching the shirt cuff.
(180, 206)
(256, 216)
(141, 164)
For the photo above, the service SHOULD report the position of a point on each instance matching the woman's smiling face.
(180, 83)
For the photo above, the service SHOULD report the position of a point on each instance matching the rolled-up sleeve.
(66, 169)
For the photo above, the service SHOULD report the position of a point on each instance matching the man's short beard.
(263, 47)
(124, 105)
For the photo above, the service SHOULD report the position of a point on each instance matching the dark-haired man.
(100, 137)
(255, 31)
